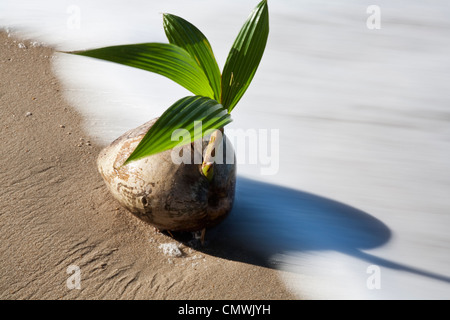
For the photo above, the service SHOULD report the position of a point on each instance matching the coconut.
(167, 195)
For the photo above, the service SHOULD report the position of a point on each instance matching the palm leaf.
(245, 55)
(165, 59)
(185, 35)
(181, 115)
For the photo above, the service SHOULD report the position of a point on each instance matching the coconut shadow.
(267, 220)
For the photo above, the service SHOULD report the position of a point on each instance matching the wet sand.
(56, 211)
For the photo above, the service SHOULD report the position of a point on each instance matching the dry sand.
(56, 211)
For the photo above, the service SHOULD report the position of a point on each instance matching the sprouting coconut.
(168, 195)
(139, 167)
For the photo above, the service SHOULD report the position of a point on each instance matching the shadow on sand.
(268, 220)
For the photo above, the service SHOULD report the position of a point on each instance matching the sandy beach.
(56, 211)
(344, 194)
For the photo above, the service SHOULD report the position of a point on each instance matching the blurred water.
(364, 120)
